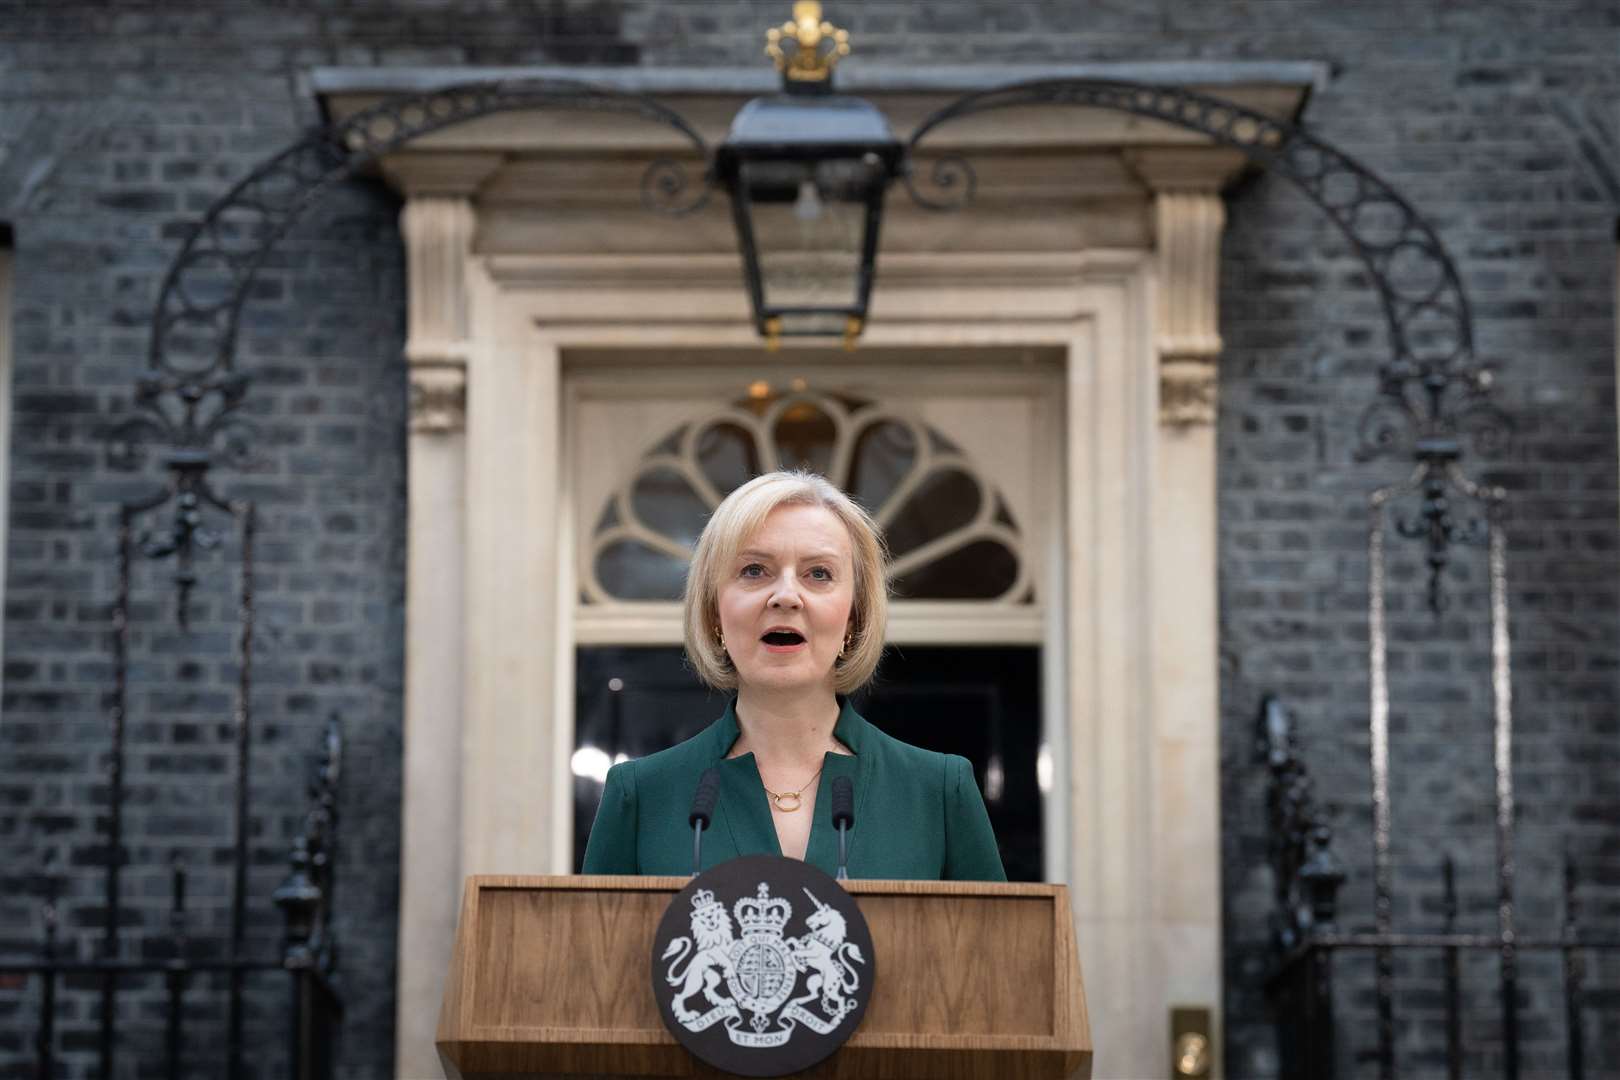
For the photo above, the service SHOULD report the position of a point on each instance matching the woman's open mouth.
(782, 640)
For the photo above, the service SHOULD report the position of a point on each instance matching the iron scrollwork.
(200, 305)
(191, 400)
(1443, 488)
(1433, 393)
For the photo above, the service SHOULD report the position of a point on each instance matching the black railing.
(307, 959)
(1309, 939)
(189, 966)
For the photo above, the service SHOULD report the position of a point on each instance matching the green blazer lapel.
(723, 732)
(742, 804)
(742, 807)
(822, 851)
(854, 732)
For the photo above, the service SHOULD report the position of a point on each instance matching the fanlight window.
(949, 532)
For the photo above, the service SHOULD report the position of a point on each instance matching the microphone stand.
(843, 815)
(708, 792)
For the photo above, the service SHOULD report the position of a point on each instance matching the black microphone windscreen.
(843, 802)
(708, 793)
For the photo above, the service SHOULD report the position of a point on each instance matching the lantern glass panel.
(809, 221)
(813, 323)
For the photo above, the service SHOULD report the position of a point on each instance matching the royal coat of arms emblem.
(742, 989)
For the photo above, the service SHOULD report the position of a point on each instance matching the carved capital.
(1188, 335)
(438, 398)
(1187, 392)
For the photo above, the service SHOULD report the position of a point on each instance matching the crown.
(703, 899)
(763, 913)
(815, 45)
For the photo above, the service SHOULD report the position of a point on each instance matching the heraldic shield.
(762, 966)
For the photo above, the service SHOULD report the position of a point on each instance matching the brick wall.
(120, 128)
(120, 123)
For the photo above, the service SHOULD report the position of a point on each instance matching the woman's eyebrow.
(823, 553)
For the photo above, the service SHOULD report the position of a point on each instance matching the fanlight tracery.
(949, 531)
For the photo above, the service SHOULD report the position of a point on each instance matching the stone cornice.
(439, 174)
(1189, 169)
(854, 76)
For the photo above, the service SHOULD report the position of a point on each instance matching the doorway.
(955, 452)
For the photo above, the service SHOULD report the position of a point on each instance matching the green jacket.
(918, 814)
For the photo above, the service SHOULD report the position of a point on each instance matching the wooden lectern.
(551, 977)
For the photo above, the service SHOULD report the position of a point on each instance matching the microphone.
(708, 793)
(843, 816)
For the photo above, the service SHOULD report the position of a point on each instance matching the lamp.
(806, 170)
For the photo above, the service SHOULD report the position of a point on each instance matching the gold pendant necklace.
(778, 796)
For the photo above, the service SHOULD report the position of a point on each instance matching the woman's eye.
(753, 569)
(821, 573)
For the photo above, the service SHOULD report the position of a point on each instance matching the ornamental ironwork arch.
(1433, 393)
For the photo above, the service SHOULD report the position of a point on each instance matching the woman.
(786, 605)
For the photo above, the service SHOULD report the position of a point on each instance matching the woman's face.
(785, 600)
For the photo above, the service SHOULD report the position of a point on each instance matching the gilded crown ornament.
(815, 45)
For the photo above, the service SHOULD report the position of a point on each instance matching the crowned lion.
(710, 964)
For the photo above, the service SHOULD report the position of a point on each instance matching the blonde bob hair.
(734, 521)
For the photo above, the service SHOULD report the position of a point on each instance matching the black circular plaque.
(762, 966)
